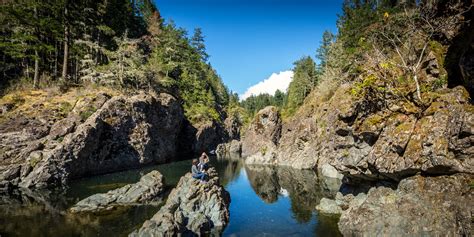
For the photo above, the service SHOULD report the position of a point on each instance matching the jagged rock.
(329, 171)
(148, 189)
(421, 206)
(328, 206)
(123, 133)
(438, 142)
(232, 126)
(200, 137)
(192, 208)
(232, 149)
(262, 136)
(341, 203)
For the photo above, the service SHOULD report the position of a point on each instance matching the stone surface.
(99, 135)
(232, 127)
(191, 208)
(439, 142)
(329, 171)
(262, 137)
(230, 149)
(421, 206)
(328, 206)
(149, 189)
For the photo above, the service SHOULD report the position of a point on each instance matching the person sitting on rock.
(197, 174)
(203, 162)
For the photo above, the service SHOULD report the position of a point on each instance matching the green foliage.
(304, 80)
(119, 43)
(254, 103)
(87, 112)
(323, 50)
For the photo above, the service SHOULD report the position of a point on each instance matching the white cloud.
(277, 81)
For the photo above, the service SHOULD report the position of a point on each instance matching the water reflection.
(302, 187)
(269, 201)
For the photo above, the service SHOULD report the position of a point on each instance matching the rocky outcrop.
(230, 149)
(421, 206)
(232, 127)
(149, 189)
(192, 208)
(201, 137)
(262, 137)
(113, 134)
(404, 140)
(340, 203)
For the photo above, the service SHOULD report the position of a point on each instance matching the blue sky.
(248, 40)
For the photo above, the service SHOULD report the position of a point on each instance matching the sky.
(253, 43)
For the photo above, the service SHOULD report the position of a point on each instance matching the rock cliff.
(261, 138)
(99, 134)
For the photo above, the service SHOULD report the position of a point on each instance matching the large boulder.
(261, 138)
(192, 208)
(114, 134)
(149, 189)
(421, 206)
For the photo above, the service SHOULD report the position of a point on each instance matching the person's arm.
(195, 170)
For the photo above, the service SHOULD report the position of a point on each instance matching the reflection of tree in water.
(302, 186)
(228, 168)
(264, 182)
(304, 191)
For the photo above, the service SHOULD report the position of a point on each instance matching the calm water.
(266, 201)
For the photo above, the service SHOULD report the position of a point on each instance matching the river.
(265, 201)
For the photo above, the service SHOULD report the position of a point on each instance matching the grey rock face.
(329, 206)
(262, 136)
(232, 127)
(437, 143)
(421, 206)
(329, 171)
(148, 189)
(121, 133)
(192, 208)
(230, 149)
(341, 203)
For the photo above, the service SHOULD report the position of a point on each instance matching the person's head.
(195, 162)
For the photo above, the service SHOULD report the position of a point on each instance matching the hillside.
(392, 113)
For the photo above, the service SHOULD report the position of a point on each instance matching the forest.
(68, 43)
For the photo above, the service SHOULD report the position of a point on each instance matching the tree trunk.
(36, 76)
(66, 44)
(418, 93)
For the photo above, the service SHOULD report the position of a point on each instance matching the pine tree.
(197, 41)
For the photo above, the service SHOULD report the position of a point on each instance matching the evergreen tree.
(197, 41)
(322, 51)
(304, 80)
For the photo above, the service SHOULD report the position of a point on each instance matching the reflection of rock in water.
(228, 168)
(302, 186)
(304, 191)
(264, 182)
(45, 212)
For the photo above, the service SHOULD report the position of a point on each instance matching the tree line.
(119, 43)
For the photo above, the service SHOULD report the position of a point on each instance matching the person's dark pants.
(200, 176)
